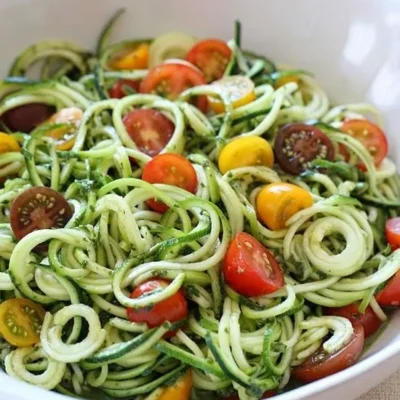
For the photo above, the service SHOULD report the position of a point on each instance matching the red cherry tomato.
(370, 135)
(172, 309)
(296, 145)
(38, 208)
(390, 295)
(172, 78)
(118, 92)
(392, 230)
(149, 129)
(211, 56)
(320, 364)
(27, 117)
(171, 169)
(250, 269)
(369, 320)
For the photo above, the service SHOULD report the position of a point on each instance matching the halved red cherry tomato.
(250, 269)
(266, 395)
(296, 145)
(172, 309)
(171, 169)
(320, 364)
(27, 117)
(392, 230)
(211, 56)
(38, 208)
(171, 79)
(369, 320)
(151, 130)
(370, 135)
(21, 321)
(118, 92)
(390, 295)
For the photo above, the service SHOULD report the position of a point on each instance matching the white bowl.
(353, 47)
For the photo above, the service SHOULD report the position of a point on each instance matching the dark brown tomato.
(320, 364)
(38, 208)
(297, 145)
(27, 117)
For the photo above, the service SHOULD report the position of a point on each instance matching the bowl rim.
(302, 392)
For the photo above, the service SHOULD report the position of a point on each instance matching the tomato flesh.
(389, 296)
(370, 135)
(27, 117)
(149, 129)
(320, 364)
(172, 309)
(369, 320)
(170, 169)
(211, 56)
(21, 321)
(392, 231)
(38, 208)
(118, 89)
(297, 145)
(250, 269)
(170, 79)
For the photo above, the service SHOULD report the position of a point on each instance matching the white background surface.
(388, 390)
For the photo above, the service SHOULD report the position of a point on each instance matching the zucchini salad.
(182, 219)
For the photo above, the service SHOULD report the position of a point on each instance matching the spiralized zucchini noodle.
(333, 252)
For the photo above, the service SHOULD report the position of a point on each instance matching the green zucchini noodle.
(333, 253)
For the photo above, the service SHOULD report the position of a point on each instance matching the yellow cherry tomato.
(180, 390)
(8, 144)
(238, 89)
(134, 58)
(65, 136)
(287, 79)
(245, 152)
(21, 321)
(277, 202)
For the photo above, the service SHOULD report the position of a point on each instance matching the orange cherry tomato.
(118, 92)
(21, 321)
(211, 56)
(389, 296)
(180, 390)
(172, 78)
(320, 364)
(250, 269)
(172, 309)
(171, 169)
(151, 130)
(277, 202)
(133, 58)
(370, 135)
(392, 231)
(369, 320)
(8, 144)
(65, 136)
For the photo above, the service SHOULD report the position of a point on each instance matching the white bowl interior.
(352, 47)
